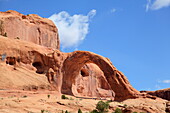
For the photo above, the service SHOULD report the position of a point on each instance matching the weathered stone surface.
(91, 82)
(163, 93)
(32, 28)
(68, 67)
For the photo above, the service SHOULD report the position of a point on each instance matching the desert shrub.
(79, 111)
(25, 96)
(118, 110)
(94, 111)
(102, 106)
(64, 97)
(48, 96)
(67, 111)
(42, 111)
(125, 105)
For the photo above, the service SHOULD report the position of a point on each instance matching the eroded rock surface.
(73, 64)
(68, 67)
(32, 28)
(163, 93)
(91, 82)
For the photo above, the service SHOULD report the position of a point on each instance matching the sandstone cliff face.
(30, 28)
(79, 73)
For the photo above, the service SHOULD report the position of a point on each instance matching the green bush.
(67, 111)
(79, 111)
(48, 96)
(94, 111)
(102, 106)
(118, 110)
(42, 111)
(64, 97)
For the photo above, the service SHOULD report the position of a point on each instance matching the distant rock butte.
(32, 28)
(163, 93)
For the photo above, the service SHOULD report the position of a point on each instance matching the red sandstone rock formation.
(72, 72)
(163, 93)
(68, 67)
(32, 28)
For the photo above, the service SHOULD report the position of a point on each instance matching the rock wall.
(32, 28)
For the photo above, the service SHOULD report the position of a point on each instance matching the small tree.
(79, 111)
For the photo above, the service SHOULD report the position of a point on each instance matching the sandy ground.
(18, 101)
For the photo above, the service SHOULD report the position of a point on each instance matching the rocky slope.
(32, 28)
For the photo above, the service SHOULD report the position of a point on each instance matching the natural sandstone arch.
(118, 82)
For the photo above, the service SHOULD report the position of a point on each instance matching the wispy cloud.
(148, 5)
(113, 10)
(72, 29)
(157, 4)
(157, 86)
(166, 81)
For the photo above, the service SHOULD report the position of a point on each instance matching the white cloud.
(113, 10)
(148, 5)
(72, 29)
(157, 4)
(166, 81)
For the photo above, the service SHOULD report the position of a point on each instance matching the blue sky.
(134, 34)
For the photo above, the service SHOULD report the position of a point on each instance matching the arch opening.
(39, 67)
(91, 82)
